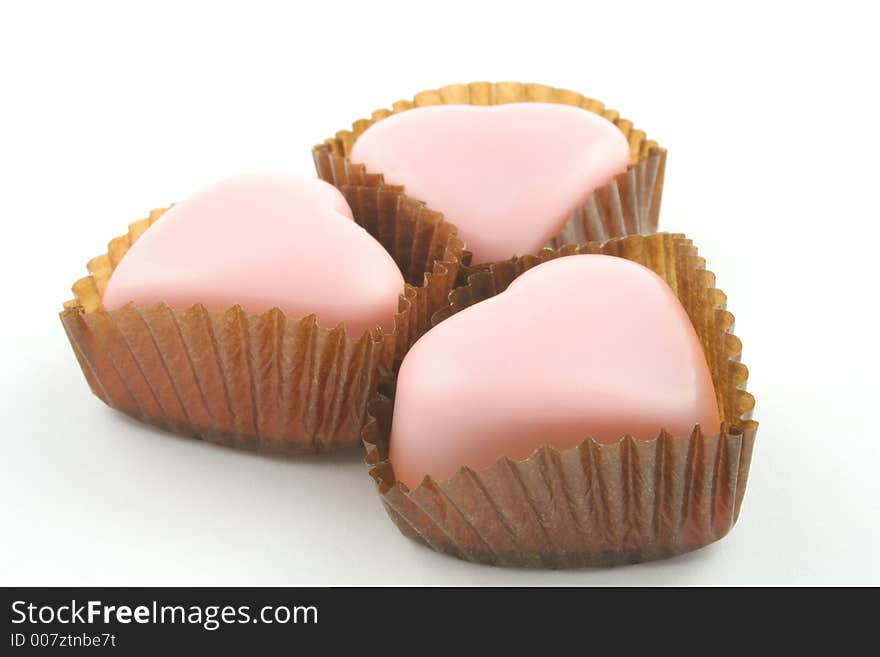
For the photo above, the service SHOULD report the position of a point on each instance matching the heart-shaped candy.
(263, 241)
(580, 346)
(507, 175)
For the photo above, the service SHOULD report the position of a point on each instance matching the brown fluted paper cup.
(629, 204)
(267, 381)
(595, 504)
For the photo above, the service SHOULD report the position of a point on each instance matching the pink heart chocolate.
(263, 241)
(507, 175)
(580, 346)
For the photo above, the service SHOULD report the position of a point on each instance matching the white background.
(769, 112)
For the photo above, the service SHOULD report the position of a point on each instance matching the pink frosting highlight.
(263, 241)
(585, 345)
(508, 176)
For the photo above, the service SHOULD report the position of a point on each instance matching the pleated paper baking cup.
(595, 504)
(629, 204)
(267, 381)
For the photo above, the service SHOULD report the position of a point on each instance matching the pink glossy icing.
(263, 241)
(508, 176)
(585, 345)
